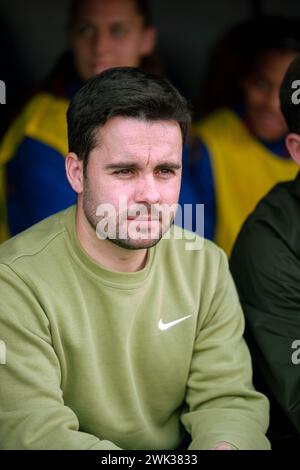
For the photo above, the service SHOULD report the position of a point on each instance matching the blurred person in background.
(103, 34)
(242, 151)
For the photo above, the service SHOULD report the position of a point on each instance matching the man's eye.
(85, 31)
(118, 31)
(123, 172)
(262, 84)
(166, 171)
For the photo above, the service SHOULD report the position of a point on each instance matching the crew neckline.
(118, 279)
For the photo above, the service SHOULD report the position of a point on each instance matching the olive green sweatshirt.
(97, 359)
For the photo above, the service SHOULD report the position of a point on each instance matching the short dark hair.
(289, 108)
(143, 7)
(126, 92)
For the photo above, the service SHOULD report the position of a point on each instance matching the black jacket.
(265, 264)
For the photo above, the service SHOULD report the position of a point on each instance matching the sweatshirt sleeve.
(33, 414)
(222, 405)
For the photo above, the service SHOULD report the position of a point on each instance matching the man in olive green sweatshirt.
(117, 334)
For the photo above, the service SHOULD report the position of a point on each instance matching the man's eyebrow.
(118, 165)
(171, 165)
(136, 166)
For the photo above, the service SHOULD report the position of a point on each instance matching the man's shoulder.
(33, 242)
(265, 258)
(190, 247)
(271, 230)
(278, 211)
(192, 264)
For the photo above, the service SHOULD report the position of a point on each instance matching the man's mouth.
(270, 121)
(143, 219)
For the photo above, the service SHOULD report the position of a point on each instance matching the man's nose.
(147, 191)
(101, 42)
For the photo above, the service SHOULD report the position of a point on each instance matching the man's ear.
(148, 41)
(293, 144)
(74, 171)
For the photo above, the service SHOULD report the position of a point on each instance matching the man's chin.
(139, 244)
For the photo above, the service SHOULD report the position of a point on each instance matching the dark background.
(33, 34)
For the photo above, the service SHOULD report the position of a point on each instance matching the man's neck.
(106, 253)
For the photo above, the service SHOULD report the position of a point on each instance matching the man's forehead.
(136, 129)
(107, 10)
(138, 139)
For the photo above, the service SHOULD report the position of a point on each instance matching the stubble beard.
(90, 210)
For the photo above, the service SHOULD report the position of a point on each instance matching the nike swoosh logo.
(165, 326)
